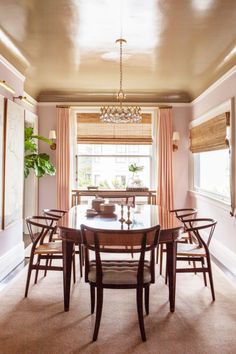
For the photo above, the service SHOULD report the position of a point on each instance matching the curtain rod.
(76, 106)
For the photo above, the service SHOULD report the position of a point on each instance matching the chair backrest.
(120, 241)
(201, 230)
(40, 227)
(55, 213)
(185, 213)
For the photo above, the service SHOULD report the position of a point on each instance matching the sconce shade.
(52, 135)
(175, 136)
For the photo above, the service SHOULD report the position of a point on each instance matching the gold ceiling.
(66, 48)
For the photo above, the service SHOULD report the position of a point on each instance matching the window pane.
(109, 173)
(96, 149)
(212, 172)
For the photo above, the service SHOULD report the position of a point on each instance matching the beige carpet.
(39, 325)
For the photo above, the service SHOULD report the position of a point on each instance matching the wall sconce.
(23, 99)
(52, 136)
(6, 86)
(175, 140)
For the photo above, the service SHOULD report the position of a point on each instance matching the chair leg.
(81, 260)
(161, 258)
(92, 297)
(157, 255)
(46, 264)
(98, 312)
(139, 298)
(210, 277)
(29, 275)
(37, 270)
(74, 270)
(204, 273)
(147, 290)
(166, 275)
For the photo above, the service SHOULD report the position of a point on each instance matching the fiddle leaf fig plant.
(40, 163)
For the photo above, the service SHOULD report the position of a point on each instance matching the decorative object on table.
(92, 188)
(97, 202)
(128, 221)
(120, 113)
(137, 189)
(40, 163)
(135, 180)
(91, 212)
(108, 208)
(122, 219)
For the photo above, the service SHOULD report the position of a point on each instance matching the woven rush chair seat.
(120, 272)
(190, 250)
(50, 247)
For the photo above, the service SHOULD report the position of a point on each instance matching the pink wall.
(47, 184)
(181, 118)
(225, 231)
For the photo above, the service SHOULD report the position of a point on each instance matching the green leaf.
(28, 132)
(39, 137)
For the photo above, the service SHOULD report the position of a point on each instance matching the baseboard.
(11, 259)
(224, 255)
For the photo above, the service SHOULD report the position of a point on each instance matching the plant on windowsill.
(135, 180)
(40, 163)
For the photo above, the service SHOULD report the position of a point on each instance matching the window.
(209, 142)
(212, 173)
(105, 151)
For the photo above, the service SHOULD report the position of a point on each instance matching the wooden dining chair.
(119, 274)
(180, 214)
(58, 213)
(41, 230)
(201, 231)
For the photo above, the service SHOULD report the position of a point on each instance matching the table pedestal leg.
(67, 249)
(171, 271)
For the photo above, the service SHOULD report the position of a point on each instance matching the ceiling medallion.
(120, 113)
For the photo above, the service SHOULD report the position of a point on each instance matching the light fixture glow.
(6, 86)
(24, 99)
(120, 113)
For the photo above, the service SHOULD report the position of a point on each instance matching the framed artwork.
(31, 182)
(1, 158)
(14, 164)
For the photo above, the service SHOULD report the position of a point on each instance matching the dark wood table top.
(142, 217)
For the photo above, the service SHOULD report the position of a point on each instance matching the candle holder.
(122, 219)
(128, 221)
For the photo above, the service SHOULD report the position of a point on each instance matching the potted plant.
(40, 163)
(135, 181)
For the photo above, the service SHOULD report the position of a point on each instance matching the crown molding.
(10, 67)
(216, 84)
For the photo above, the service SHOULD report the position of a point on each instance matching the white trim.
(217, 83)
(223, 107)
(223, 255)
(88, 105)
(30, 98)
(211, 200)
(11, 259)
(9, 66)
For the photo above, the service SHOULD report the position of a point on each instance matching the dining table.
(124, 217)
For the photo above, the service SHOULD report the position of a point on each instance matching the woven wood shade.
(210, 135)
(90, 130)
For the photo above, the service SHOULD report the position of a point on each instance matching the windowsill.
(211, 199)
